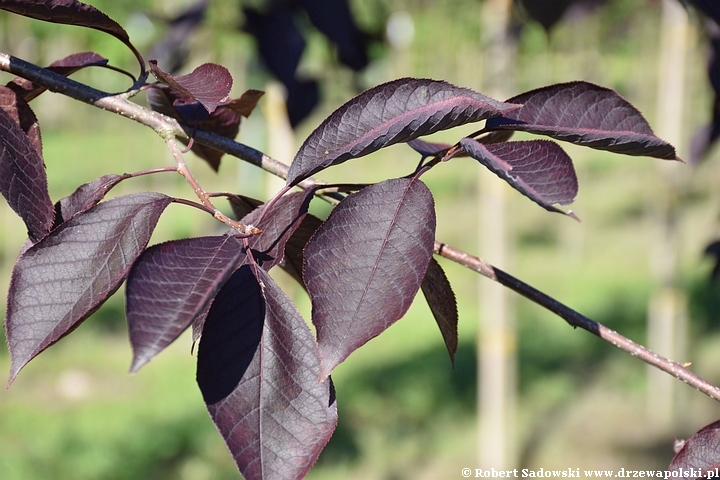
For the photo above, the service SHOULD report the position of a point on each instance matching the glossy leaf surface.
(258, 372)
(365, 264)
(208, 84)
(584, 114)
(170, 285)
(58, 282)
(397, 111)
(539, 169)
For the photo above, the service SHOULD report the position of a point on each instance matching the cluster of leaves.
(264, 375)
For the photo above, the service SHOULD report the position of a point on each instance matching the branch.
(168, 127)
(183, 170)
(576, 319)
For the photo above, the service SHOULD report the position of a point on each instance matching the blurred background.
(526, 391)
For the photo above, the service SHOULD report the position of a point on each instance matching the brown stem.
(576, 319)
(168, 128)
(183, 170)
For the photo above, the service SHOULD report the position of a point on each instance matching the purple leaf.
(427, 149)
(76, 61)
(223, 121)
(65, 66)
(366, 263)
(208, 84)
(495, 136)
(87, 195)
(246, 103)
(539, 169)
(584, 114)
(441, 300)
(258, 369)
(16, 106)
(394, 112)
(277, 225)
(699, 454)
(58, 282)
(170, 285)
(292, 261)
(71, 12)
(199, 323)
(23, 181)
(242, 205)
(294, 248)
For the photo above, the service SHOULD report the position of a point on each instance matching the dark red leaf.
(16, 106)
(495, 136)
(242, 205)
(76, 61)
(441, 300)
(23, 181)
(87, 195)
(365, 264)
(71, 12)
(170, 285)
(258, 370)
(199, 323)
(585, 114)
(539, 169)
(277, 225)
(293, 258)
(231, 336)
(394, 112)
(246, 103)
(65, 66)
(58, 282)
(427, 149)
(208, 84)
(294, 248)
(223, 121)
(699, 454)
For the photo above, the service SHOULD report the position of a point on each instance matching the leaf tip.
(571, 214)
(14, 371)
(325, 369)
(136, 365)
